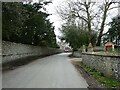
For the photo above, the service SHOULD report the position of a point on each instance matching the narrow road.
(54, 71)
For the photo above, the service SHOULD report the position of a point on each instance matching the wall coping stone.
(95, 54)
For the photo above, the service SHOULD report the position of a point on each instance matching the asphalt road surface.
(54, 71)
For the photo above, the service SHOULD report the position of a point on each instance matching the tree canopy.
(77, 36)
(26, 23)
(113, 33)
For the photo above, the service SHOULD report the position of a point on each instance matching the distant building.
(109, 45)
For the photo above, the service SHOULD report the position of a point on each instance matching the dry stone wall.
(109, 65)
(13, 51)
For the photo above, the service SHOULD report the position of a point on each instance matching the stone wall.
(13, 51)
(77, 54)
(109, 65)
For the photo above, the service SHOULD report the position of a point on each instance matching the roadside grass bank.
(100, 80)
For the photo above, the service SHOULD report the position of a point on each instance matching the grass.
(106, 81)
(117, 50)
(108, 53)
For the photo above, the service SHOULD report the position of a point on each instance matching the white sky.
(51, 8)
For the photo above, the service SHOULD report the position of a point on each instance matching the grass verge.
(106, 81)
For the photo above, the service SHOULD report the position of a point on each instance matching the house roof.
(109, 44)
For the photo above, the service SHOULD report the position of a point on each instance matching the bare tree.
(106, 7)
(79, 9)
(87, 14)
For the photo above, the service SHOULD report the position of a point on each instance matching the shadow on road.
(19, 62)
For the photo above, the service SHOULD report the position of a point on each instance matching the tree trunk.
(89, 22)
(106, 8)
(99, 41)
(102, 27)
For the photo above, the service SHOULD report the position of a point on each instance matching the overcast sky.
(51, 8)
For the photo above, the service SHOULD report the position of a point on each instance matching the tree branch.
(82, 17)
(113, 8)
